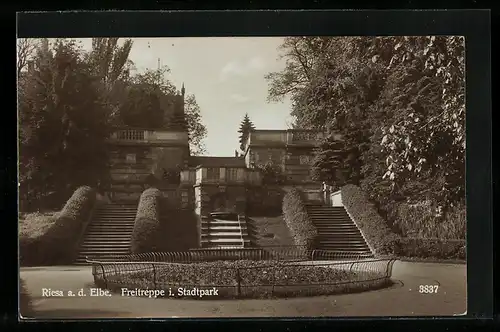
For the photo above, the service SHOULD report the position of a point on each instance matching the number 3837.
(428, 289)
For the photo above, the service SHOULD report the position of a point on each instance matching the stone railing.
(304, 136)
(291, 136)
(188, 176)
(226, 175)
(148, 136)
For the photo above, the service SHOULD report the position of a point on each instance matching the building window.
(231, 174)
(305, 160)
(213, 173)
(130, 158)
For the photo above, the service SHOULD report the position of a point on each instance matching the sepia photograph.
(206, 177)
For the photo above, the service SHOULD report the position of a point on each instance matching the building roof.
(195, 161)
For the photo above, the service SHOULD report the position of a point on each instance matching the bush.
(384, 241)
(147, 222)
(424, 221)
(430, 248)
(374, 228)
(53, 239)
(25, 302)
(295, 214)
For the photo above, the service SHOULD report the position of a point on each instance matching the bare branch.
(25, 50)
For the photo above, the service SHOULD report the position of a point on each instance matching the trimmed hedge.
(430, 248)
(25, 302)
(386, 242)
(147, 223)
(374, 228)
(297, 219)
(56, 242)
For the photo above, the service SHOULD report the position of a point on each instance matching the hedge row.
(374, 228)
(57, 242)
(430, 248)
(297, 219)
(147, 222)
(386, 242)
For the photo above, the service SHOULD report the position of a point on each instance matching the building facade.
(141, 157)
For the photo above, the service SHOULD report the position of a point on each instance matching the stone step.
(218, 247)
(348, 250)
(335, 226)
(114, 215)
(224, 234)
(104, 251)
(334, 231)
(340, 238)
(328, 216)
(341, 243)
(334, 223)
(224, 228)
(110, 229)
(99, 229)
(221, 223)
(113, 223)
(111, 226)
(114, 218)
(99, 242)
(109, 234)
(226, 241)
(105, 246)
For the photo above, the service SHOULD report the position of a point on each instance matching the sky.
(226, 75)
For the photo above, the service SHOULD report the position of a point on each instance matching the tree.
(111, 64)
(246, 127)
(271, 173)
(26, 49)
(63, 124)
(109, 61)
(301, 54)
(335, 162)
(146, 98)
(398, 102)
(196, 129)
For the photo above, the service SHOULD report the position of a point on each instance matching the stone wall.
(211, 198)
(264, 200)
(167, 158)
(178, 197)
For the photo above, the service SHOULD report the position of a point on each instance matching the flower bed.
(249, 279)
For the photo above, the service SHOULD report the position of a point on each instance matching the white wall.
(336, 199)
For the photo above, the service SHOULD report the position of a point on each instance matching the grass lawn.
(269, 231)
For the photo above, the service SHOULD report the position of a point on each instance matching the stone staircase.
(109, 232)
(336, 230)
(224, 234)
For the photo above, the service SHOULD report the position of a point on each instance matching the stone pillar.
(222, 174)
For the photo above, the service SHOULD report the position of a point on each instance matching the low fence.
(272, 278)
(246, 272)
(275, 253)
